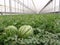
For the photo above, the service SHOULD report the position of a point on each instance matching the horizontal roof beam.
(21, 3)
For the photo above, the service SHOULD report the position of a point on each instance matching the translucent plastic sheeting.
(52, 7)
(28, 6)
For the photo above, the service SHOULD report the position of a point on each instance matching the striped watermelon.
(11, 31)
(25, 31)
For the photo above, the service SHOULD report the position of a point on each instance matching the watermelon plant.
(18, 29)
(10, 31)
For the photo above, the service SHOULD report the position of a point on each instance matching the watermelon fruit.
(10, 31)
(25, 31)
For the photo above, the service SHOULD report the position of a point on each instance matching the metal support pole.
(54, 5)
(59, 5)
(10, 6)
(28, 6)
(18, 7)
(4, 5)
(34, 5)
(15, 6)
(23, 6)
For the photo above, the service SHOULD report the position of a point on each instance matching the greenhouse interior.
(29, 22)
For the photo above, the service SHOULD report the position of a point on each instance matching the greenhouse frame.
(30, 6)
(29, 22)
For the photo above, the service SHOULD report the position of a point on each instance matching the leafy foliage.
(10, 31)
(46, 29)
